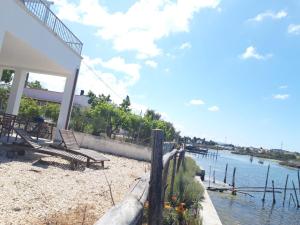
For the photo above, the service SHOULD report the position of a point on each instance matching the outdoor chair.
(74, 159)
(7, 124)
(71, 145)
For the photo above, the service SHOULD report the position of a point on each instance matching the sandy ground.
(46, 191)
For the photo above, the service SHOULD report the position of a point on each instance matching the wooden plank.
(155, 189)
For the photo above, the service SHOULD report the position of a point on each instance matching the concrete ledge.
(209, 214)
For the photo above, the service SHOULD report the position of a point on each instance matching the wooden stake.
(209, 176)
(155, 188)
(298, 206)
(284, 195)
(214, 177)
(274, 200)
(225, 173)
(298, 180)
(263, 199)
(233, 182)
(173, 175)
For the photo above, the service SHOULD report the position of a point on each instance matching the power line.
(101, 80)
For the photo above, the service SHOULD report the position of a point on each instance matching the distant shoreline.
(289, 163)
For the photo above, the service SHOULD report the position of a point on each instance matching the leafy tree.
(125, 105)
(51, 110)
(3, 98)
(36, 85)
(7, 76)
(94, 100)
(152, 115)
(29, 108)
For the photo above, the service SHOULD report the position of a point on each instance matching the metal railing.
(41, 10)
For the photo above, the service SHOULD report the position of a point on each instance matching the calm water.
(246, 210)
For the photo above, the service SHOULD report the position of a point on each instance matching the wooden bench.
(70, 144)
(75, 159)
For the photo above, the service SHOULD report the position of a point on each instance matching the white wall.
(113, 147)
(41, 44)
(52, 96)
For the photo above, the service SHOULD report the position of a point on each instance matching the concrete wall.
(209, 214)
(114, 147)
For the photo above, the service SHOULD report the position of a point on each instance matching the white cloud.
(151, 63)
(52, 83)
(283, 87)
(269, 14)
(214, 109)
(196, 102)
(281, 96)
(140, 27)
(251, 52)
(185, 45)
(294, 29)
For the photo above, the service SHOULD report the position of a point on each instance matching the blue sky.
(224, 69)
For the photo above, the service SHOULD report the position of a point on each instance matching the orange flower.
(167, 205)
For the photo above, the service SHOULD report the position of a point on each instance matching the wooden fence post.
(155, 189)
(165, 180)
(173, 175)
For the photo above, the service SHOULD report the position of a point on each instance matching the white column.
(16, 92)
(66, 104)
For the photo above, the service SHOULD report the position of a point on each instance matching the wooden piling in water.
(284, 195)
(291, 197)
(264, 196)
(209, 176)
(273, 190)
(299, 180)
(214, 177)
(233, 182)
(225, 177)
(298, 206)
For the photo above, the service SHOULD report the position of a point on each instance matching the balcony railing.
(41, 10)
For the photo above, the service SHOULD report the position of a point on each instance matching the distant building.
(44, 96)
(277, 150)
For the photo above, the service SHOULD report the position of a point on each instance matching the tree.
(35, 85)
(29, 108)
(51, 110)
(94, 100)
(125, 105)
(7, 76)
(152, 115)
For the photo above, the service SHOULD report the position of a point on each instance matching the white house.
(55, 97)
(33, 39)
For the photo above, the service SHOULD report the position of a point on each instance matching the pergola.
(33, 39)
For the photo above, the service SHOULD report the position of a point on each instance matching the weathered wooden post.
(264, 196)
(173, 175)
(298, 180)
(273, 190)
(233, 182)
(214, 177)
(284, 194)
(225, 178)
(155, 188)
(180, 161)
(295, 194)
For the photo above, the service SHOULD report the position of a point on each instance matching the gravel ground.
(35, 189)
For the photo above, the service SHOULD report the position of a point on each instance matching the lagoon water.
(246, 210)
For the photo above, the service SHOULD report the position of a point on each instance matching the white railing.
(41, 10)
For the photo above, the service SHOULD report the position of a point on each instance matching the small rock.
(17, 209)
